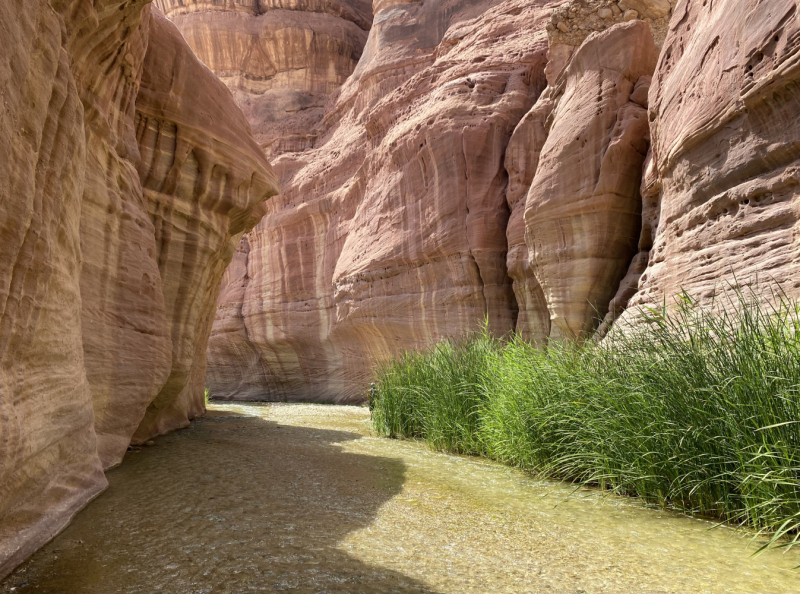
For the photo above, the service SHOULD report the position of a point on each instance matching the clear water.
(303, 498)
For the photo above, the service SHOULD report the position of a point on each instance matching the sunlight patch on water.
(465, 524)
(302, 497)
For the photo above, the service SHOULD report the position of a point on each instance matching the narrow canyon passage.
(303, 498)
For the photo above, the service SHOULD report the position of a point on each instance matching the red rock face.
(723, 112)
(390, 233)
(281, 58)
(204, 181)
(107, 290)
(48, 470)
(521, 162)
(126, 339)
(583, 209)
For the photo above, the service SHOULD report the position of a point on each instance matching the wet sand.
(304, 498)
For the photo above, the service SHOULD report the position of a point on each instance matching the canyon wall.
(722, 186)
(493, 161)
(205, 180)
(49, 466)
(582, 214)
(540, 167)
(281, 58)
(410, 219)
(390, 233)
(108, 289)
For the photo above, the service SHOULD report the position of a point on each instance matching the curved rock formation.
(726, 162)
(281, 58)
(521, 162)
(464, 171)
(390, 233)
(49, 466)
(126, 335)
(583, 210)
(204, 180)
(107, 290)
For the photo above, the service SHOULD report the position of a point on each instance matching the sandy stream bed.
(304, 498)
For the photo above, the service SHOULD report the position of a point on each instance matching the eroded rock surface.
(521, 162)
(390, 233)
(49, 466)
(108, 291)
(573, 21)
(126, 335)
(583, 209)
(725, 181)
(485, 160)
(281, 58)
(204, 180)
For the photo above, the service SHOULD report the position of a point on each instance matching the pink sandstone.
(281, 58)
(485, 160)
(390, 233)
(583, 209)
(724, 176)
(107, 290)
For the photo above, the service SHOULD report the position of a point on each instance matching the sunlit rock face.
(390, 233)
(126, 339)
(521, 162)
(107, 289)
(573, 21)
(583, 209)
(724, 184)
(204, 181)
(281, 58)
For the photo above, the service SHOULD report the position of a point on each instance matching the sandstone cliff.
(281, 58)
(723, 186)
(392, 229)
(529, 164)
(204, 181)
(49, 466)
(107, 290)
(583, 210)
(390, 233)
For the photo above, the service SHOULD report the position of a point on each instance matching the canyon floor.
(304, 498)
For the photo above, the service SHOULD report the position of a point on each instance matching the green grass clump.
(696, 408)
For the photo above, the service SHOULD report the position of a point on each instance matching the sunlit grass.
(696, 408)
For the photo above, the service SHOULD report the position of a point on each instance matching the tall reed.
(696, 408)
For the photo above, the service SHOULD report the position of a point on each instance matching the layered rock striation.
(281, 58)
(390, 233)
(583, 209)
(205, 180)
(540, 167)
(49, 466)
(723, 179)
(107, 288)
(125, 332)
(415, 216)
(392, 229)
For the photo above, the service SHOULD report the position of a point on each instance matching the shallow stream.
(303, 498)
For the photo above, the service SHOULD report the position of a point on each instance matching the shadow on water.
(231, 504)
